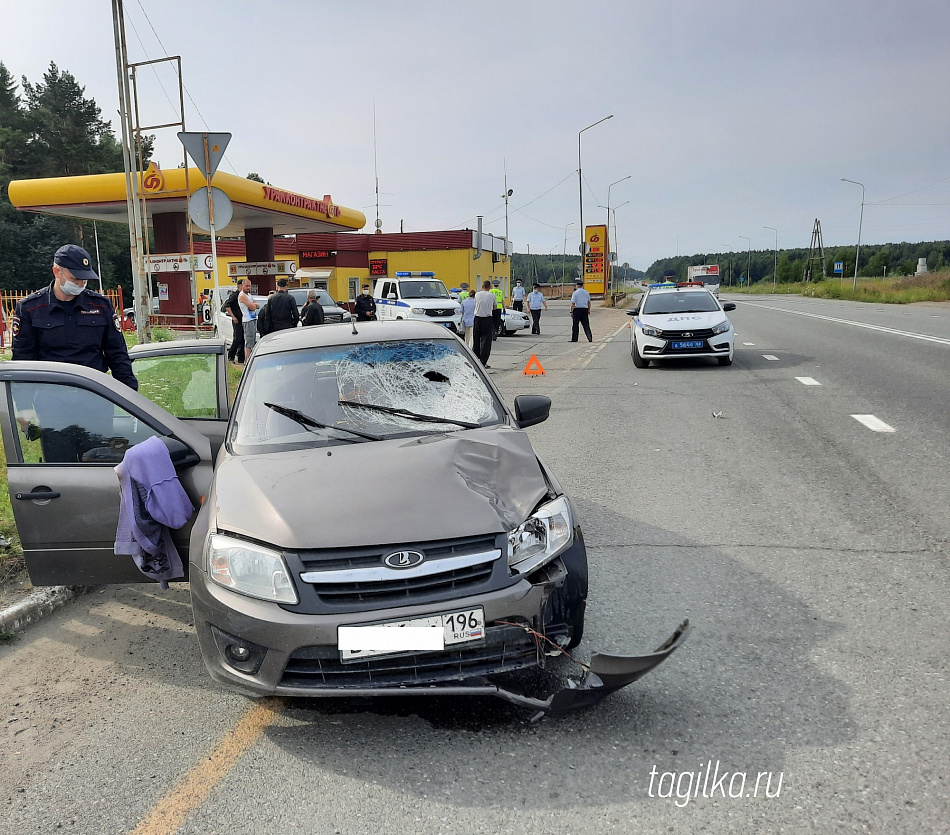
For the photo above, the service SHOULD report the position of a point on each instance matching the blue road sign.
(839, 267)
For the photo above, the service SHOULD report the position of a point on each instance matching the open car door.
(65, 427)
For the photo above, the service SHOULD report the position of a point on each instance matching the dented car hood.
(429, 487)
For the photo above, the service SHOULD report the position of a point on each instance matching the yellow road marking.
(173, 809)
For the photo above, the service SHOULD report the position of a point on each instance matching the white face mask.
(366, 292)
(72, 288)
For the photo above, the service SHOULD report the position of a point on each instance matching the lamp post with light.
(580, 179)
(854, 285)
(775, 263)
(748, 277)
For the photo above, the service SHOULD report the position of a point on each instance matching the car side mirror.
(632, 311)
(182, 455)
(341, 304)
(531, 409)
(729, 306)
(391, 296)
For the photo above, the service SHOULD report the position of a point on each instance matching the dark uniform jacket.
(90, 334)
(281, 311)
(365, 305)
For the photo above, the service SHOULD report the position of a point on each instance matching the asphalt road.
(809, 551)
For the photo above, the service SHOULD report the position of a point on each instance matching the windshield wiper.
(307, 422)
(392, 410)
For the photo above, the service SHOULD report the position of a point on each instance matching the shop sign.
(316, 256)
(595, 258)
(378, 266)
(298, 201)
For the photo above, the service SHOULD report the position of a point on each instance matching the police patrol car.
(417, 295)
(680, 320)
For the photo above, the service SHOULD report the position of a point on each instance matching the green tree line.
(51, 129)
(548, 269)
(876, 260)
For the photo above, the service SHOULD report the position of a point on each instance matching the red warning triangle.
(533, 368)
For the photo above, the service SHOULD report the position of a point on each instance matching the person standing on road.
(312, 312)
(249, 309)
(281, 310)
(365, 307)
(580, 311)
(535, 302)
(468, 317)
(517, 296)
(496, 312)
(66, 322)
(233, 309)
(484, 327)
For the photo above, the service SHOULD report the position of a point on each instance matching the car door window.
(64, 424)
(185, 385)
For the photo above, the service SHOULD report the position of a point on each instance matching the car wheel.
(725, 360)
(638, 361)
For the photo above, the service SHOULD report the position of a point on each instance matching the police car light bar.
(405, 274)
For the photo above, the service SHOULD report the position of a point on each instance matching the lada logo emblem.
(687, 333)
(403, 559)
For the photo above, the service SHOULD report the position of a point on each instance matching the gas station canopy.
(102, 197)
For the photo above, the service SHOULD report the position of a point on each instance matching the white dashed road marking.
(748, 343)
(770, 357)
(808, 381)
(873, 423)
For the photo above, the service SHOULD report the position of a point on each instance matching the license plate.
(427, 634)
(449, 325)
(693, 343)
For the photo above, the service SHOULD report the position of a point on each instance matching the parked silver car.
(373, 519)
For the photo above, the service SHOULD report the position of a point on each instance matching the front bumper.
(653, 347)
(297, 655)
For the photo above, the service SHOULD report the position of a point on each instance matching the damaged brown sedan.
(376, 522)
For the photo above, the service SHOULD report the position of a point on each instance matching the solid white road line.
(873, 423)
(923, 336)
(808, 381)
(770, 357)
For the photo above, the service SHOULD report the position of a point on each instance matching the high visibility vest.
(500, 296)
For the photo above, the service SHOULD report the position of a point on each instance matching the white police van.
(417, 295)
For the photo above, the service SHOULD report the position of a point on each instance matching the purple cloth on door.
(151, 500)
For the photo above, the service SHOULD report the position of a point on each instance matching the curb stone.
(37, 605)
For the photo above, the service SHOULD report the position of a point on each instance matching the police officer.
(365, 306)
(496, 313)
(517, 296)
(580, 311)
(280, 312)
(66, 322)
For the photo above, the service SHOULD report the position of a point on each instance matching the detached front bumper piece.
(605, 675)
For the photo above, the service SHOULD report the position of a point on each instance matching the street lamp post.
(854, 285)
(775, 262)
(563, 259)
(613, 211)
(580, 179)
(748, 277)
(610, 271)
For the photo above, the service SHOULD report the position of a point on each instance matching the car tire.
(638, 361)
(725, 360)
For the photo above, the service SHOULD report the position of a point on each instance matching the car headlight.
(346, 316)
(419, 311)
(649, 330)
(542, 536)
(249, 569)
(722, 327)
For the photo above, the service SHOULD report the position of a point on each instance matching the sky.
(727, 117)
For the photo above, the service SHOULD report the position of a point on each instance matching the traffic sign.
(262, 268)
(198, 208)
(171, 263)
(839, 267)
(206, 149)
